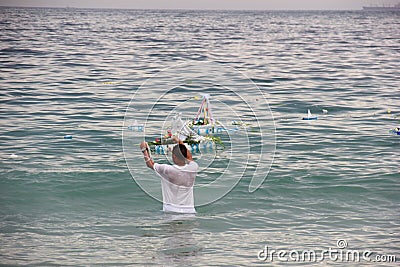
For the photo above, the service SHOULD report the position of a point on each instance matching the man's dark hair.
(180, 151)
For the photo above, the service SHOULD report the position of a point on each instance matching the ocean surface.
(78, 201)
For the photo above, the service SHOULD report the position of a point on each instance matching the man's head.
(179, 154)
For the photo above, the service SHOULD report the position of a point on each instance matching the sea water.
(73, 72)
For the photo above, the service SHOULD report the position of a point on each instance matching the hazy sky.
(202, 4)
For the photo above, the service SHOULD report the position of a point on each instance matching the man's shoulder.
(193, 164)
(161, 167)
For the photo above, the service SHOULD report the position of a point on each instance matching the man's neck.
(181, 164)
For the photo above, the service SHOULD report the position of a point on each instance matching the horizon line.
(177, 9)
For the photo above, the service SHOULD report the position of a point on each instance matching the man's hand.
(143, 145)
(175, 139)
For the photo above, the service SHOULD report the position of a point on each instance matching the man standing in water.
(176, 180)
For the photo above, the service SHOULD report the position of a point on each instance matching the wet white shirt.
(177, 186)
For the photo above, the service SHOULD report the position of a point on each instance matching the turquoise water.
(74, 71)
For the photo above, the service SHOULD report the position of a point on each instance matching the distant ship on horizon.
(382, 8)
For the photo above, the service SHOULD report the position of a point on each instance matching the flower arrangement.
(190, 140)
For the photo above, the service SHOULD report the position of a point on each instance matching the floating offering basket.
(193, 143)
(198, 133)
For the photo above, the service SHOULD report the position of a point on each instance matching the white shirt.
(177, 186)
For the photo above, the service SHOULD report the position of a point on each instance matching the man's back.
(177, 186)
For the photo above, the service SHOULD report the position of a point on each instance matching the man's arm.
(146, 154)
